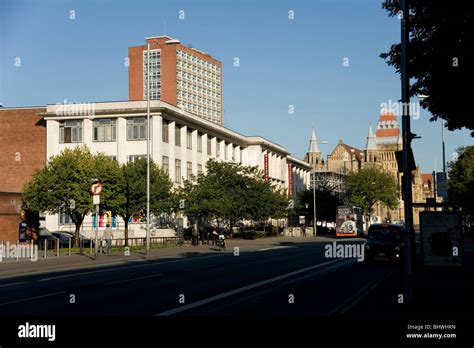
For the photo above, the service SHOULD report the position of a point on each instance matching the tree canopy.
(461, 179)
(231, 192)
(439, 57)
(372, 185)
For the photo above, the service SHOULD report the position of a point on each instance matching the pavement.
(439, 292)
(13, 268)
(274, 277)
(290, 282)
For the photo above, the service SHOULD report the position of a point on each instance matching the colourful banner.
(265, 166)
(290, 180)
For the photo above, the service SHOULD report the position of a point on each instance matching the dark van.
(384, 243)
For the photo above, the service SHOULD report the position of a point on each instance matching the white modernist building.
(181, 144)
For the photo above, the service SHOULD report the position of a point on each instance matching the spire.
(313, 143)
(371, 140)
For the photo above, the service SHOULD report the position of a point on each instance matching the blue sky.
(283, 62)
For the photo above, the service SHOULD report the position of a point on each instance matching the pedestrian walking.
(108, 235)
(195, 234)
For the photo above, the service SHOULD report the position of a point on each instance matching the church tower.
(313, 156)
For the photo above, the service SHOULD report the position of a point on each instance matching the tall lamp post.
(148, 150)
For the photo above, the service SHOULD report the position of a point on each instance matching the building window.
(177, 135)
(113, 158)
(105, 129)
(64, 218)
(218, 148)
(225, 151)
(189, 139)
(70, 131)
(209, 145)
(133, 158)
(199, 142)
(155, 74)
(165, 131)
(177, 171)
(189, 170)
(166, 164)
(136, 128)
(233, 153)
(199, 169)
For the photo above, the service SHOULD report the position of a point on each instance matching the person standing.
(195, 234)
(108, 235)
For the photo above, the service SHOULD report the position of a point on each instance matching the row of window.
(196, 80)
(198, 69)
(190, 87)
(155, 77)
(186, 57)
(177, 168)
(198, 98)
(198, 109)
(105, 129)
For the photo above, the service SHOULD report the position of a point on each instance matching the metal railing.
(55, 247)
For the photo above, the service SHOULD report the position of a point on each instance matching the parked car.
(63, 238)
(384, 243)
(399, 222)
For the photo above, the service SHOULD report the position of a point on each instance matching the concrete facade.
(217, 142)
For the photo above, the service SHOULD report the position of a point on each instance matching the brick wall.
(10, 204)
(22, 151)
(22, 146)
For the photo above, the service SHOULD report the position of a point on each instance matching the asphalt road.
(294, 279)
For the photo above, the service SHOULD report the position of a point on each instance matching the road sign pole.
(96, 231)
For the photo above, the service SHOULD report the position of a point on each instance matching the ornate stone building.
(380, 152)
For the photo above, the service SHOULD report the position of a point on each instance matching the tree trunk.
(77, 233)
(126, 229)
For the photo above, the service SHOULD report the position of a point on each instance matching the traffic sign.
(442, 184)
(96, 199)
(96, 188)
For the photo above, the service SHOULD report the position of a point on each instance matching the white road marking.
(11, 284)
(242, 289)
(127, 267)
(358, 296)
(277, 247)
(32, 298)
(132, 279)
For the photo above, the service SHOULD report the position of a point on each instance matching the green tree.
(440, 57)
(131, 197)
(370, 186)
(64, 184)
(231, 192)
(461, 179)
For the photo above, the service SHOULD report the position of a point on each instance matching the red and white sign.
(290, 180)
(96, 188)
(265, 166)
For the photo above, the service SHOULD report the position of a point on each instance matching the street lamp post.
(148, 151)
(314, 193)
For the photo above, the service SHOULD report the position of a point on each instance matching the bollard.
(69, 250)
(45, 248)
(57, 247)
(90, 245)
